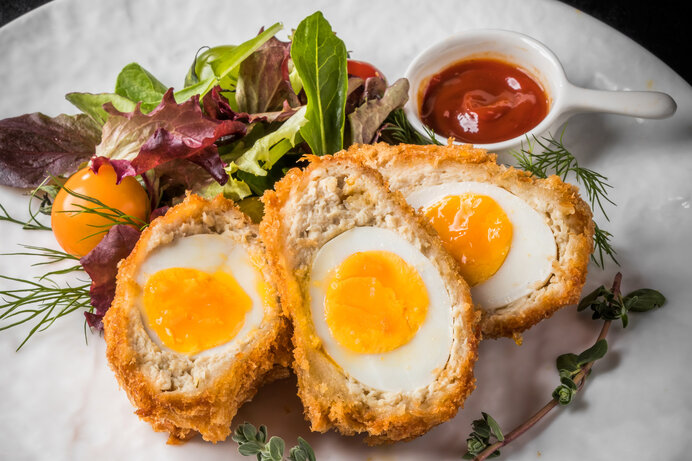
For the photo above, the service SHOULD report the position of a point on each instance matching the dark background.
(656, 25)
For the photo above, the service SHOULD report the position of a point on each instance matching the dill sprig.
(30, 224)
(397, 129)
(48, 256)
(556, 159)
(41, 303)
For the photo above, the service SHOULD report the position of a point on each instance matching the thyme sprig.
(573, 369)
(252, 441)
(397, 129)
(556, 159)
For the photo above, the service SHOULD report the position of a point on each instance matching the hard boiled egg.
(200, 293)
(505, 248)
(381, 309)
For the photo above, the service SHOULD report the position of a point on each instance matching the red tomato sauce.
(483, 101)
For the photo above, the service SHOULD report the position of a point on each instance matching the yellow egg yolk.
(191, 311)
(475, 230)
(375, 302)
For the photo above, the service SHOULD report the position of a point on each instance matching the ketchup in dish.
(482, 101)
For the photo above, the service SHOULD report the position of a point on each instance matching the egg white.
(410, 366)
(207, 253)
(529, 263)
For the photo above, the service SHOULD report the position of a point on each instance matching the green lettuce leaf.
(137, 84)
(270, 148)
(234, 189)
(201, 67)
(92, 104)
(231, 59)
(320, 59)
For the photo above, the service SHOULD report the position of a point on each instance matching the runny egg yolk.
(375, 302)
(191, 310)
(475, 230)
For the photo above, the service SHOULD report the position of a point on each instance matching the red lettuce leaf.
(161, 211)
(263, 79)
(101, 264)
(217, 107)
(33, 146)
(171, 131)
(367, 119)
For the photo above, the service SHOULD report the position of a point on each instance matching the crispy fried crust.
(311, 207)
(408, 168)
(173, 392)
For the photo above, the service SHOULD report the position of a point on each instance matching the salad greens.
(245, 115)
(320, 59)
(137, 84)
(33, 146)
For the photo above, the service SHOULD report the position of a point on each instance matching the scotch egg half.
(523, 243)
(505, 248)
(195, 327)
(384, 332)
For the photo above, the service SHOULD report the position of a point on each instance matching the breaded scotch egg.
(385, 335)
(196, 327)
(522, 243)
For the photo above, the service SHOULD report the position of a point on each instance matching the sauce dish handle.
(643, 104)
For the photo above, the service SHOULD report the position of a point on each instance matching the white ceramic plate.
(59, 400)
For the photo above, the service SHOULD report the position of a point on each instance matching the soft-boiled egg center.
(509, 244)
(381, 309)
(475, 230)
(375, 302)
(192, 311)
(200, 294)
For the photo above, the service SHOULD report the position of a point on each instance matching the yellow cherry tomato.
(75, 231)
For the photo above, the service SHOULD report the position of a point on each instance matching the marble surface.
(61, 402)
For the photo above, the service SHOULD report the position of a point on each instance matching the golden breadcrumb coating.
(409, 167)
(309, 208)
(176, 393)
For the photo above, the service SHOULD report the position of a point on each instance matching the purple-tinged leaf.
(101, 264)
(263, 80)
(366, 120)
(33, 146)
(171, 131)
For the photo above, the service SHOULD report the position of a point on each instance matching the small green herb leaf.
(484, 430)
(252, 441)
(301, 452)
(276, 448)
(563, 394)
(320, 59)
(567, 364)
(643, 300)
(494, 427)
(589, 299)
(595, 352)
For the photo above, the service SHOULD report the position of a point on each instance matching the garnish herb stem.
(579, 379)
